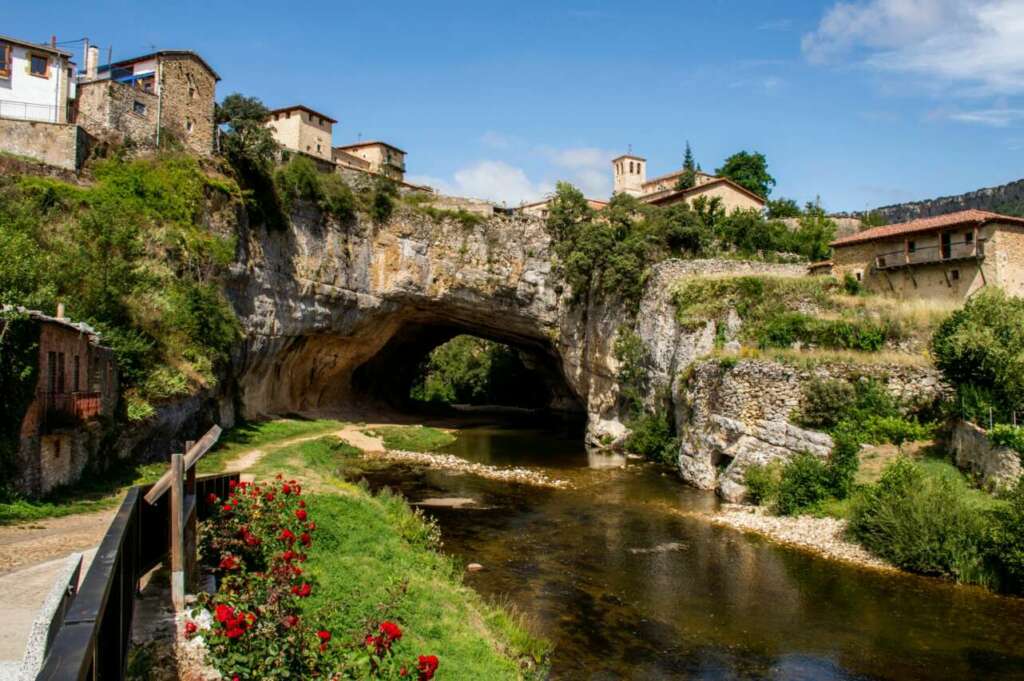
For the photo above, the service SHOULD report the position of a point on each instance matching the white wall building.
(35, 81)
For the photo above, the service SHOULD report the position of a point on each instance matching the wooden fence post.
(177, 531)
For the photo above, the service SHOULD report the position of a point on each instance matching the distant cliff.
(1007, 198)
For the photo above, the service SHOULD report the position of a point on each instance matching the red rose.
(211, 499)
(291, 621)
(269, 496)
(301, 514)
(287, 536)
(370, 641)
(306, 539)
(403, 672)
(288, 556)
(252, 539)
(311, 526)
(190, 629)
(227, 508)
(224, 613)
(324, 635)
(232, 484)
(235, 632)
(297, 490)
(302, 503)
(286, 488)
(427, 665)
(302, 591)
(390, 631)
(235, 678)
(228, 562)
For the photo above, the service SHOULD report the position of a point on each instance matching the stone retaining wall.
(998, 467)
(57, 144)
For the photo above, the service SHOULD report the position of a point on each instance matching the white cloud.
(492, 180)
(589, 168)
(996, 118)
(978, 44)
(497, 140)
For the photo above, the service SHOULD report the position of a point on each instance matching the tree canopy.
(245, 135)
(749, 170)
(689, 176)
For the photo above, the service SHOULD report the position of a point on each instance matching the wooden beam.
(194, 453)
(177, 531)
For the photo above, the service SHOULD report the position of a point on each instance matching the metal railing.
(27, 111)
(925, 255)
(93, 641)
(65, 410)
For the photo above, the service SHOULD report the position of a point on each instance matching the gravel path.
(823, 536)
(38, 541)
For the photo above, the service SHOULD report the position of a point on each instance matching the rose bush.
(255, 543)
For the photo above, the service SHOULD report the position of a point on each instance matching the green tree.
(244, 133)
(689, 177)
(749, 170)
(980, 350)
(816, 231)
(783, 208)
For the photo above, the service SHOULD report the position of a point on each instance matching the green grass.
(374, 558)
(412, 438)
(255, 434)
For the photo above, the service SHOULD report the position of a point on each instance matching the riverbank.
(821, 536)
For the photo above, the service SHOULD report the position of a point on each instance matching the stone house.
(167, 93)
(944, 257)
(384, 159)
(35, 81)
(76, 390)
(540, 208)
(629, 174)
(299, 128)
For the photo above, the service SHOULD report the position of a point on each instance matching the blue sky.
(863, 103)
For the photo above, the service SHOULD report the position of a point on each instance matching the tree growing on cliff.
(749, 170)
(244, 135)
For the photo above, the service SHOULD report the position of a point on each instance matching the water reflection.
(629, 585)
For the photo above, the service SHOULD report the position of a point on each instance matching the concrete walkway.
(22, 596)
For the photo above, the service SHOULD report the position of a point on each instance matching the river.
(628, 584)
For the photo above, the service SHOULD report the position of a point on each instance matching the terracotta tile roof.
(371, 143)
(660, 197)
(964, 217)
(163, 53)
(302, 107)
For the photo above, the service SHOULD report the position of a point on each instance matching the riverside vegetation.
(923, 515)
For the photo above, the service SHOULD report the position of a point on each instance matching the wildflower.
(286, 488)
(390, 631)
(301, 514)
(306, 539)
(427, 665)
(287, 536)
(190, 629)
(325, 637)
(302, 591)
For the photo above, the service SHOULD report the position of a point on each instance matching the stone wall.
(998, 467)
(118, 112)
(56, 144)
(732, 413)
(188, 92)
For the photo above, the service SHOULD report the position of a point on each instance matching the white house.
(35, 81)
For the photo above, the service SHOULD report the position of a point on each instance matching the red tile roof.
(664, 195)
(302, 107)
(964, 217)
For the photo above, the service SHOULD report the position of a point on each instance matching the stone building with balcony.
(947, 256)
(629, 175)
(299, 128)
(76, 395)
(382, 158)
(146, 99)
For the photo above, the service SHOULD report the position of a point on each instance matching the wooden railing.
(67, 410)
(926, 255)
(93, 641)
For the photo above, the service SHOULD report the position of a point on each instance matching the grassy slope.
(97, 493)
(412, 438)
(374, 558)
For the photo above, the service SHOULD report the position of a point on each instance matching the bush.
(826, 402)
(1006, 540)
(851, 285)
(652, 436)
(923, 523)
(843, 463)
(785, 329)
(805, 482)
(762, 482)
(1008, 436)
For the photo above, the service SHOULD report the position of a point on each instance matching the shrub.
(1008, 436)
(651, 436)
(805, 482)
(925, 524)
(851, 285)
(825, 401)
(843, 463)
(1006, 540)
(762, 482)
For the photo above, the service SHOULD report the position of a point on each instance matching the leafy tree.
(689, 176)
(980, 350)
(816, 231)
(749, 170)
(245, 135)
(783, 208)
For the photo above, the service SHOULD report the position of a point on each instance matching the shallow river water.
(628, 586)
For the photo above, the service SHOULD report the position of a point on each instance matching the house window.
(75, 376)
(969, 238)
(954, 275)
(39, 65)
(318, 148)
(5, 60)
(61, 373)
(860, 276)
(911, 246)
(138, 108)
(189, 125)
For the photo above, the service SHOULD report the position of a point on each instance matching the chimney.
(53, 41)
(60, 310)
(92, 62)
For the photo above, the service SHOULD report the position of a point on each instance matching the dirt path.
(39, 541)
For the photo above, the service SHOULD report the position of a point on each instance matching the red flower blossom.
(227, 508)
(288, 556)
(302, 503)
(302, 591)
(390, 631)
(403, 672)
(427, 665)
(235, 632)
(306, 539)
(286, 488)
(269, 496)
(252, 540)
(291, 621)
(190, 629)
(301, 514)
(311, 526)
(232, 484)
(224, 613)
(228, 562)
(212, 499)
(287, 536)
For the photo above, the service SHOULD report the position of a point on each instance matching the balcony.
(27, 111)
(61, 411)
(948, 251)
